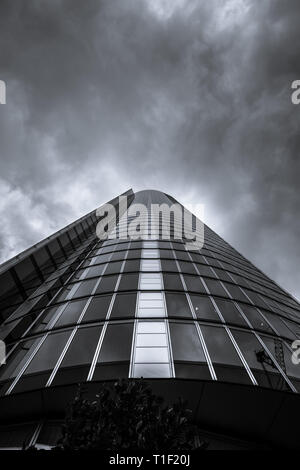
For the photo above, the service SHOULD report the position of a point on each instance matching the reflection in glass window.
(107, 284)
(262, 365)
(96, 271)
(71, 313)
(182, 255)
(204, 308)
(172, 282)
(124, 306)
(117, 343)
(166, 254)
(82, 347)
(47, 315)
(132, 265)
(18, 359)
(255, 318)
(118, 256)
(219, 346)
(168, 265)
(114, 268)
(97, 308)
(230, 312)
(48, 353)
(205, 270)
(215, 287)
(250, 346)
(153, 370)
(85, 288)
(235, 292)
(102, 258)
(292, 370)
(187, 267)
(177, 305)
(185, 342)
(134, 254)
(194, 284)
(129, 282)
(279, 325)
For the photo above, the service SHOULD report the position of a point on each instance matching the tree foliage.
(128, 416)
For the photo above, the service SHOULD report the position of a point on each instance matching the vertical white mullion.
(233, 341)
(17, 378)
(134, 334)
(61, 357)
(104, 328)
(196, 320)
(275, 362)
(36, 433)
(168, 336)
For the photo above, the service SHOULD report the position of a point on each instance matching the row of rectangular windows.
(257, 356)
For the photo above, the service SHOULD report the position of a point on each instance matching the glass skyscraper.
(204, 324)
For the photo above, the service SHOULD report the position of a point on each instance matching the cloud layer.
(192, 98)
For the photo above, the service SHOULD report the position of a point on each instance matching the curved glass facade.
(153, 309)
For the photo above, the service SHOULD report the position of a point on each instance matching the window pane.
(205, 270)
(169, 265)
(119, 255)
(71, 313)
(151, 340)
(150, 254)
(194, 284)
(255, 318)
(235, 292)
(151, 327)
(172, 282)
(17, 359)
(204, 308)
(230, 312)
(150, 281)
(132, 265)
(117, 343)
(124, 306)
(82, 348)
(249, 345)
(177, 305)
(220, 347)
(113, 268)
(134, 254)
(85, 288)
(215, 288)
(151, 370)
(281, 328)
(151, 355)
(187, 267)
(96, 270)
(150, 265)
(166, 254)
(48, 353)
(97, 309)
(107, 284)
(185, 341)
(129, 282)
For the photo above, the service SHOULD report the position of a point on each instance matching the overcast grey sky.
(189, 97)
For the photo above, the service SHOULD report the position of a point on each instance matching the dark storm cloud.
(192, 98)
